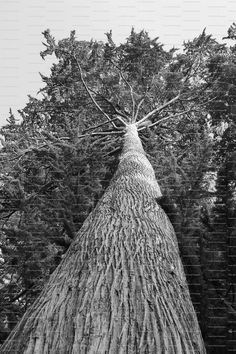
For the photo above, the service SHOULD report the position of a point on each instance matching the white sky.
(22, 21)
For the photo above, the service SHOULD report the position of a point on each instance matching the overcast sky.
(22, 21)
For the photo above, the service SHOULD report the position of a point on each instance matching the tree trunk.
(121, 287)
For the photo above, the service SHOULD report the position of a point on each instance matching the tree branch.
(100, 125)
(130, 87)
(138, 108)
(100, 133)
(93, 100)
(165, 118)
(158, 109)
(111, 104)
(131, 93)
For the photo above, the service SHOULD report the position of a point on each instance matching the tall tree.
(121, 285)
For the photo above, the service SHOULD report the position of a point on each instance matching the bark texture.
(121, 287)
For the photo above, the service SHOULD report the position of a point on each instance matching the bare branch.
(166, 118)
(138, 108)
(100, 125)
(90, 95)
(119, 113)
(130, 87)
(131, 92)
(100, 133)
(198, 96)
(158, 109)
(7, 216)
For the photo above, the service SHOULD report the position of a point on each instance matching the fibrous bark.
(121, 287)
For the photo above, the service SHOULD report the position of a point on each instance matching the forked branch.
(88, 90)
(138, 108)
(158, 109)
(165, 118)
(100, 125)
(130, 89)
(131, 93)
(115, 110)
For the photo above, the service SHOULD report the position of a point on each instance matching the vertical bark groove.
(121, 286)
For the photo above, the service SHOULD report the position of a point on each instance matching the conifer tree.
(120, 287)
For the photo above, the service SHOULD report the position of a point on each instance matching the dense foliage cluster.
(54, 168)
